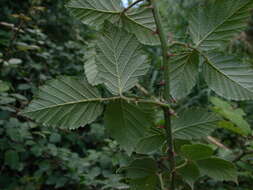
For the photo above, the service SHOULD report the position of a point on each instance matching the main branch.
(166, 95)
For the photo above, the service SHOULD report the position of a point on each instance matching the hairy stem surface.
(166, 95)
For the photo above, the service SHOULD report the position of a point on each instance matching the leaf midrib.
(226, 19)
(112, 12)
(66, 104)
(195, 124)
(225, 75)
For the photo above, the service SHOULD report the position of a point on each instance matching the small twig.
(131, 5)
(217, 143)
(160, 176)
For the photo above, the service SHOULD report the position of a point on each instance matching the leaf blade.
(228, 77)
(120, 60)
(59, 98)
(184, 73)
(128, 123)
(194, 124)
(218, 21)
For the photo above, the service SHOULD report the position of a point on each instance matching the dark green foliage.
(45, 42)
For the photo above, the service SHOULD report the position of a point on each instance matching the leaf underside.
(120, 60)
(184, 73)
(66, 103)
(194, 124)
(228, 77)
(90, 66)
(95, 13)
(216, 22)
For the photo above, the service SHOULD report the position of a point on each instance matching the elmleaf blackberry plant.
(115, 60)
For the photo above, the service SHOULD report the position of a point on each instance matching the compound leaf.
(235, 115)
(66, 103)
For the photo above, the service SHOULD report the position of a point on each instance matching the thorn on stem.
(155, 32)
(171, 54)
(162, 83)
(150, 7)
(161, 127)
(172, 113)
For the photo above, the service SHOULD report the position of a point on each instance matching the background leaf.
(12, 159)
(218, 169)
(235, 115)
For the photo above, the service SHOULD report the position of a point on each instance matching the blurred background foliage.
(39, 40)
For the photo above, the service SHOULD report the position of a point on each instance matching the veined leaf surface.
(228, 77)
(128, 123)
(66, 103)
(216, 22)
(90, 66)
(184, 72)
(95, 12)
(120, 60)
(194, 124)
(218, 169)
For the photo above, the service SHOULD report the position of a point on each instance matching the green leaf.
(90, 66)
(128, 123)
(194, 124)
(4, 86)
(120, 60)
(216, 22)
(142, 24)
(95, 13)
(228, 77)
(67, 103)
(150, 143)
(141, 168)
(196, 151)
(12, 159)
(147, 183)
(235, 115)
(184, 73)
(218, 169)
(190, 173)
